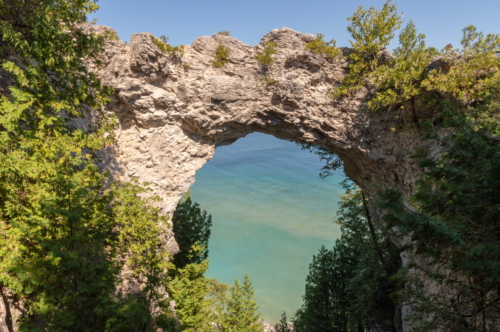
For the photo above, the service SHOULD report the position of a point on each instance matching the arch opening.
(271, 212)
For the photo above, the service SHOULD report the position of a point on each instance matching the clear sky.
(185, 20)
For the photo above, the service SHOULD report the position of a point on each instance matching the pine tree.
(283, 325)
(372, 31)
(241, 315)
(349, 288)
(317, 312)
(400, 81)
(191, 225)
(190, 289)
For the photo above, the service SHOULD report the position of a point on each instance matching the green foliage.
(55, 223)
(265, 58)
(189, 289)
(348, 288)
(224, 33)
(218, 296)
(454, 225)
(400, 81)
(221, 56)
(191, 227)
(372, 31)
(266, 81)
(323, 48)
(317, 312)
(332, 161)
(241, 315)
(165, 47)
(109, 34)
(472, 74)
(64, 239)
(199, 301)
(283, 325)
(140, 226)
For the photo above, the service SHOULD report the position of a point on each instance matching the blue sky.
(184, 20)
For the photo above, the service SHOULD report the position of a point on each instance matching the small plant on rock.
(265, 58)
(109, 35)
(266, 81)
(221, 56)
(224, 33)
(323, 48)
(165, 47)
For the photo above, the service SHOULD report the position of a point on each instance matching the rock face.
(173, 112)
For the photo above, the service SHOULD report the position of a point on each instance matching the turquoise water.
(271, 212)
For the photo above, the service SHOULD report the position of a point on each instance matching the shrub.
(265, 81)
(265, 58)
(321, 47)
(109, 34)
(224, 33)
(221, 56)
(165, 47)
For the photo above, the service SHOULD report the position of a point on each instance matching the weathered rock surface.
(173, 112)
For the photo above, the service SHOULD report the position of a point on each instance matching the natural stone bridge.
(173, 113)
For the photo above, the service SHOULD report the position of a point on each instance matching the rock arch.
(173, 112)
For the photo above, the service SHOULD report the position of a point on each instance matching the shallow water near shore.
(271, 213)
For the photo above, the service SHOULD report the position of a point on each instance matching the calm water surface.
(271, 212)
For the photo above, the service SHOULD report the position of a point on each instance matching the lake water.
(271, 212)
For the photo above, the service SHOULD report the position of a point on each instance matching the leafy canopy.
(63, 240)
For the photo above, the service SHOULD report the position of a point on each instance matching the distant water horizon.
(271, 213)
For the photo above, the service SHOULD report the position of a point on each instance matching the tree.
(55, 222)
(453, 224)
(471, 74)
(61, 237)
(324, 48)
(138, 245)
(191, 226)
(189, 288)
(400, 81)
(317, 312)
(283, 325)
(349, 288)
(219, 299)
(372, 31)
(241, 315)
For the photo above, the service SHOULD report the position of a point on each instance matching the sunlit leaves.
(372, 31)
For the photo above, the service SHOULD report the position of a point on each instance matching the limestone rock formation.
(174, 111)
